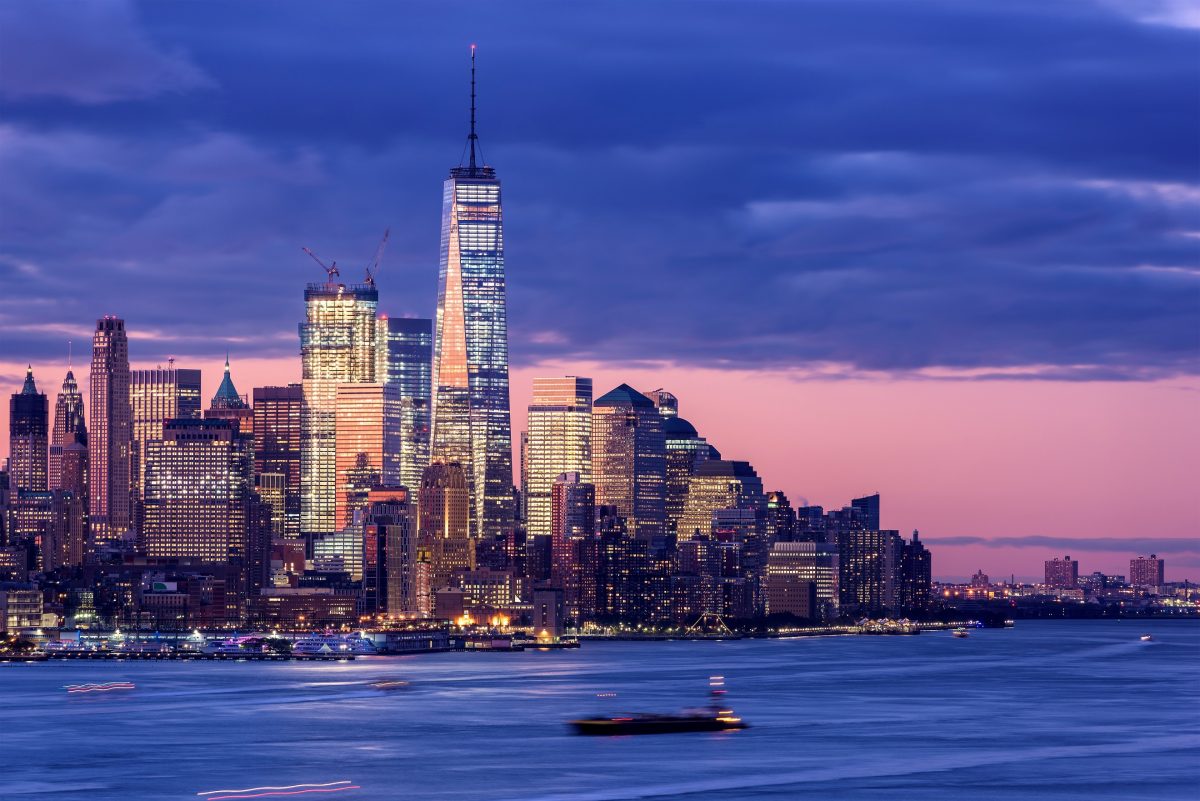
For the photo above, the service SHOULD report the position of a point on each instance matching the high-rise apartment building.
(629, 459)
(366, 444)
(28, 438)
(156, 396)
(559, 441)
(338, 346)
(1062, 573)
(1147, 573)
(277, 437)
(69, 427)
(110, 435)
(572, 520)
(405, 347)
(916, 576)
(869, 563)
(471, 423)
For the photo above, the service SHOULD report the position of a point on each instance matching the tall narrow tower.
(337, 346)
(27, 426)
(109, 433)
(471, 422)
(69, 427)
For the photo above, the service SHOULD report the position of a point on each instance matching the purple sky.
(953, 240)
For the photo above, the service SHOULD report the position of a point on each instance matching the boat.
(961, 633)
(332, 644)
(715, 718)
(1147, 638)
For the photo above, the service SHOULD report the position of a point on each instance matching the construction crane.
(373, 267)
(330, 269)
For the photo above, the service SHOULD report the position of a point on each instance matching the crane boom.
(373, 267)
(330, 269)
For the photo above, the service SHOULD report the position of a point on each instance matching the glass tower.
(559, 441)
(28, 426)
(109, 434)
(471, 422)
(406, 362)
(337, 346)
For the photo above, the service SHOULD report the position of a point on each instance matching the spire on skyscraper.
(30, 388)
(227, 396)
(472, 138)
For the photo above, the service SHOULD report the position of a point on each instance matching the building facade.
(559, 441)
(1062, 574)
(629, 459)
(405, 346)
(337, 346)
(277, 438)
(69, 427)
(366, 444)
(156, 396)
(110, 435)
(28, 438)
(1147, 573)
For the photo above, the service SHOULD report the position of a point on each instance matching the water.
(1048, 710)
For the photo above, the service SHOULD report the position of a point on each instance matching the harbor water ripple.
(1048, 710)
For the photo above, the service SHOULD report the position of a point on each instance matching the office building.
(390, 552)
(444, 522)
(405, 348)
(559, 441)
(110, 436)
(685, 449)
(718, 484)
(228, 404)
(366, 444)
(155, 397)
(471, 422)
(28, 438)
(277, 437)
(337, 346)
(865, 511)
(916, 577)
(629, 460)
(69, 427)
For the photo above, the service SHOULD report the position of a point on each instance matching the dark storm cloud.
(989, 189)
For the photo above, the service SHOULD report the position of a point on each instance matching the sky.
(945, 251)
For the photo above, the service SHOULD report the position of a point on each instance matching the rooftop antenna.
(330, 269)
(473, 137)
(70, 357)
(373, 267)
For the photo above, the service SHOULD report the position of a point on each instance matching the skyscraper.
(227, 404)
(28, 424)
(405, 348)
(338, 346)
(471, 422)
(109, 434)
(277, 437)
(866, 511)
(718, 484)
(156, 396)
(629, 459)
(390, 552)
(69, 427)
(916, 576)
(443, 522)
(559, 441)
(366, 444)
(869, 568)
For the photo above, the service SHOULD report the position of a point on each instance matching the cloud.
(1140, 545)
(88, 52)
(987, 191)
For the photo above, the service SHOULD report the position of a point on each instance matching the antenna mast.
(473, 137)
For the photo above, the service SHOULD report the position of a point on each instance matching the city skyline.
(1103, 439)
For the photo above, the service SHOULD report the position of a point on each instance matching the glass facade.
(406, 362)
(629, 459)
(559, 441)
(337, 346)
(156, 396)
(367, 444)
(277, 436)
(471, 423)
(718, 484)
